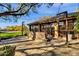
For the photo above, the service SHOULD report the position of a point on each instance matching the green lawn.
(6, 35)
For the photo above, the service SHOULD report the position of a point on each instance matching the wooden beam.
(40, 27)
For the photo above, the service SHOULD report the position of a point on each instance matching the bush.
(7, 51)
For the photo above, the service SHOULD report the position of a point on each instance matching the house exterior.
(57, 25)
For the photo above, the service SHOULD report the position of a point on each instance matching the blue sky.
(42, 11)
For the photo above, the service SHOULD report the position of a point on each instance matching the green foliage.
(76, 27)
(74, 14)
(11, 34)
(14, 28)
(7, 35)
(7, 51)
(17, 28)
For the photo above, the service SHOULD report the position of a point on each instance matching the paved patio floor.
(28, 47)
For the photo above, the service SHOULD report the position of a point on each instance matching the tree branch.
(4, 6)
(16, 14)
(14, 11)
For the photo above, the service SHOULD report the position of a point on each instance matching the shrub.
(7, 51)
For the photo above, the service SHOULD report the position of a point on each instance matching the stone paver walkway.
(26, 47)
(13, 40)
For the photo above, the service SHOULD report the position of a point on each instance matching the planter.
(7, 51)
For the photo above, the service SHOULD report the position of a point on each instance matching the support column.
(56, 30)
(66, 31)
(40, 27)
(22, 28)
(30, 27)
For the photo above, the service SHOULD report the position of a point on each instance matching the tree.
(17, 10)
(77, 24)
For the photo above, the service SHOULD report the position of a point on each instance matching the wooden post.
(22, 28)
(40, 27)
(66, 30)
(56, 30)
(30, 27)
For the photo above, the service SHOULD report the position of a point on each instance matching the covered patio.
(61, 25)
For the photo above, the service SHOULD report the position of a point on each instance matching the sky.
(42, 11)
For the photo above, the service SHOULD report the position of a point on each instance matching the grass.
(6, 35)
